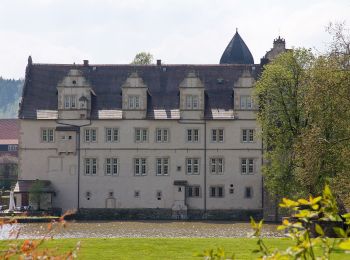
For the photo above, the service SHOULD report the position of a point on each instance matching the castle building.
(144, 141)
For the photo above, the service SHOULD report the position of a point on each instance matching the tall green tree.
(305, 118)
(280, 95)
(143, 58)
(323, 150)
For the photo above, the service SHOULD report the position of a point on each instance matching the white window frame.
(192, 135)
(216, 193)
(217, 135)
(112, 135)
(162, 166)
(192, 166)
(70, 102)
(217, 165)
(247, 166)
(47, 135)
(246, 102)
(90, 135)
(140, 166)
(134, 102)
(90, 166)
(192, 102)
(162, 135)
(191, 191)
(112, 166)
(248, 135)
(141, 135)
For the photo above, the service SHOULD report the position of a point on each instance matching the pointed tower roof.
(237, 52)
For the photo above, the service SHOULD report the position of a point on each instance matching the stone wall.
(163, 214)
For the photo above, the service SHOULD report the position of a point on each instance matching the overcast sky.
(176, 31)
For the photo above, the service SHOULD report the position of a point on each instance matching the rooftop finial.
(30, 61)
(236, 29)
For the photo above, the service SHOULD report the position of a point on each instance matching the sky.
(175, 31)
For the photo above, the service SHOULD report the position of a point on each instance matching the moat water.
(136, 229)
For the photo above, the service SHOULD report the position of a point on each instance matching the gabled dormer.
(192, 97)
(74, 96)
(243, 91)
(134, 92)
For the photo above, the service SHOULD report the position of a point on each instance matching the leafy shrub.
(35, 249)
(301, 228)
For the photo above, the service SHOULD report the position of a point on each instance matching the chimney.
(86, 62)
(159, 62)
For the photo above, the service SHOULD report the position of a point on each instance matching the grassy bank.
(162, 248)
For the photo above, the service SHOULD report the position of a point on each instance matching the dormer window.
(192, 102)
(246, 102)
(134, 102)
(70, 101)
(83, 102)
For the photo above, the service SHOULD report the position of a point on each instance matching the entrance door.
(25, 199)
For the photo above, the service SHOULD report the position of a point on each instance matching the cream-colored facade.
(62, 159)
(181, 139)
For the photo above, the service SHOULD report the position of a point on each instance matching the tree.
(305, 118)
(280, 96)
(323, 150)
(35, 193)
(143, 58)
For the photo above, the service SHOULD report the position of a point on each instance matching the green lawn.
(161, 248)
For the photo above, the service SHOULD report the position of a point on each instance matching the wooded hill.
(10, 94)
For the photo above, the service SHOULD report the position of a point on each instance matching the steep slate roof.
(9, 131)
(237, 52)
(40, 93)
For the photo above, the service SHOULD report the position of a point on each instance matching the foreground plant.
(35, 249)
(307, 228)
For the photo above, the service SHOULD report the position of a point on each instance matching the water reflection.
(168, 229)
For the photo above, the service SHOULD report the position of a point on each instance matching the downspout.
(205, 167)
(192, 122)
(78, 154)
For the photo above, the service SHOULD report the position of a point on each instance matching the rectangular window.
(192, 135)
(248, 192)
(192, 166)
(246, 102)
(162, 166)
(90, 135)
(12, 147)
(216, 191)
(70, 101)
(192, 102)
(140, 166)
(141, 135)
(112, 135)
(47, 135)
(159, 194)
(90, 166)
(193, 191)
(217, 165)
(217, 135)
(134, 102)
(162, 135)
(247, 166)
(111, 166)
(248, 135)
